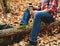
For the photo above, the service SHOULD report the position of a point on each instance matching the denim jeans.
(38, 17)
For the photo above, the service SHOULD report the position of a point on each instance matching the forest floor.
(41, 41)
(17, 8)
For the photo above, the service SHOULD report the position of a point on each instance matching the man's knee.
(27, 10)
(37, 15)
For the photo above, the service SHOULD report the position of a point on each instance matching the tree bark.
(14, 31)
(4, 6)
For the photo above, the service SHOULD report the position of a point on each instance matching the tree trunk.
(14, 31)
(4, 6)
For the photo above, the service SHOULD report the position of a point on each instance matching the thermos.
(30, 6)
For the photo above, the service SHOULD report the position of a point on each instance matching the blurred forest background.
(15, 9)
(11, 12)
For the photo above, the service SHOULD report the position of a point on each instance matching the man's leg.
(25, 18)
(37, 23)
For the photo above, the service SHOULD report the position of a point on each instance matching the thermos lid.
(30, 4)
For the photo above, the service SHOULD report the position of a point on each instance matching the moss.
(1, 40)
(20, 27)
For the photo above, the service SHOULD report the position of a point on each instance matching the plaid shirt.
(51, 6)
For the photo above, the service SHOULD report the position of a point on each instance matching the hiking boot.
(30, 43)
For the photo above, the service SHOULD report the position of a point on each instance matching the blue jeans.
(38, 17)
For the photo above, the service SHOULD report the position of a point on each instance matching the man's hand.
(36, 7)
(32, 12)
(45, 10)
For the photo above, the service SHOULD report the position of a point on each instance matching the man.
(46, 11)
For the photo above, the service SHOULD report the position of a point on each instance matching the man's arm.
(53, 6)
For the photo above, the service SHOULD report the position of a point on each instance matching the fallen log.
(14, 31)
(9, 35)
(24, 29)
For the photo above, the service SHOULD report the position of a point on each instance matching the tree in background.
(4, 6)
